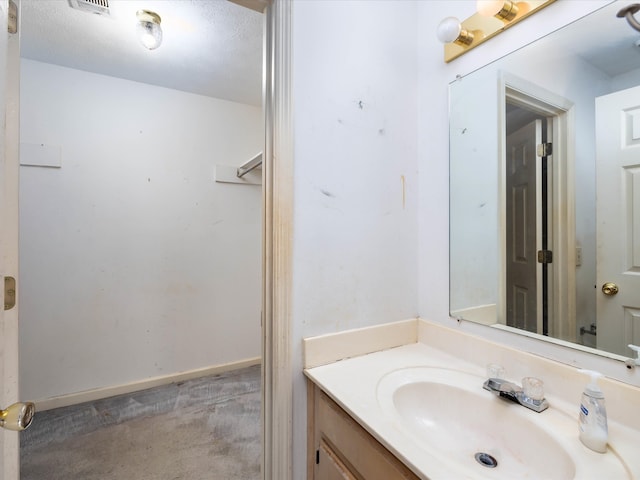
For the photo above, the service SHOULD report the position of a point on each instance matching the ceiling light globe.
(448, 29)
(148, 29)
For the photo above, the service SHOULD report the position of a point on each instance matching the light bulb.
(505, 10)
(448, 29)
(148, 29)
(489, 8)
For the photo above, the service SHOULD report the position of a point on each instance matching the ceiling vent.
(99, 7)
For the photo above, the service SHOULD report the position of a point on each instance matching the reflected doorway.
(537, 214)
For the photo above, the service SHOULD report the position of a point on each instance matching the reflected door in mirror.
(523, 229)
(618, 218)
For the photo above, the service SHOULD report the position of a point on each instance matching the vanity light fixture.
(148, 29)
(492, 18)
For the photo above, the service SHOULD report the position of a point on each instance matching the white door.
(524, 288)
(9, 164)
(618, 220)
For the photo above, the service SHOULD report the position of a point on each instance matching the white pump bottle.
(593, 415)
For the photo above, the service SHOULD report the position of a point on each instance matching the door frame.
(562, 308)
(277, 365)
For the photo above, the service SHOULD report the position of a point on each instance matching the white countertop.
(353, 384)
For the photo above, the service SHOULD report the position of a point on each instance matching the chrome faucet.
(515, 393)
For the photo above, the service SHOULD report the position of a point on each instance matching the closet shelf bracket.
(245, 168)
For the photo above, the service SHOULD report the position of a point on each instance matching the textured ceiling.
(210, 47)
(214, 47)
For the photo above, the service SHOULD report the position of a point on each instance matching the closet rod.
(255, 162)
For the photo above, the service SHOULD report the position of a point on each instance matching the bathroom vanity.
(415, 407)
(339, 448)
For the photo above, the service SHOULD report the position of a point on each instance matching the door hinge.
(545, 256)
(12, 20)
(544, 149)
(9, 293)
(317, 457)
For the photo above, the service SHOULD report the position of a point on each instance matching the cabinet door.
(330, 467)
(340, 449)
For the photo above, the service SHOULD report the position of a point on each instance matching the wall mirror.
(545, 187)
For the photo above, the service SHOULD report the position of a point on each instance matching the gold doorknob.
(18, 416)
(610, 289)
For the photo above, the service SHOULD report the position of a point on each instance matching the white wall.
(626, 80)
(355, 122)
(134, 262)
(473, 119)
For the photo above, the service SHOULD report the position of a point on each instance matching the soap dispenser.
(593, 415)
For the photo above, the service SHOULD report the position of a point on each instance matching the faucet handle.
(533, 388)
(532, 395)
(495, 371)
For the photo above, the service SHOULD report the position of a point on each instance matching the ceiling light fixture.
(148, 28)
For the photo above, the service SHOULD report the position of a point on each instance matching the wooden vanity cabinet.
(340, 449)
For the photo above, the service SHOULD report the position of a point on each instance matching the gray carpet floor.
(202, 429)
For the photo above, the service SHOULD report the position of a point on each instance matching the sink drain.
(486, 460)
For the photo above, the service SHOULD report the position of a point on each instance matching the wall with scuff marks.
(134, 262)
(355, 228)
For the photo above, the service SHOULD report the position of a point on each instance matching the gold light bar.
(483, 28)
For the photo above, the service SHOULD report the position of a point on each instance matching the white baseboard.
(105, 392)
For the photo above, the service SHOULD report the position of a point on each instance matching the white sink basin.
(451, 415)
